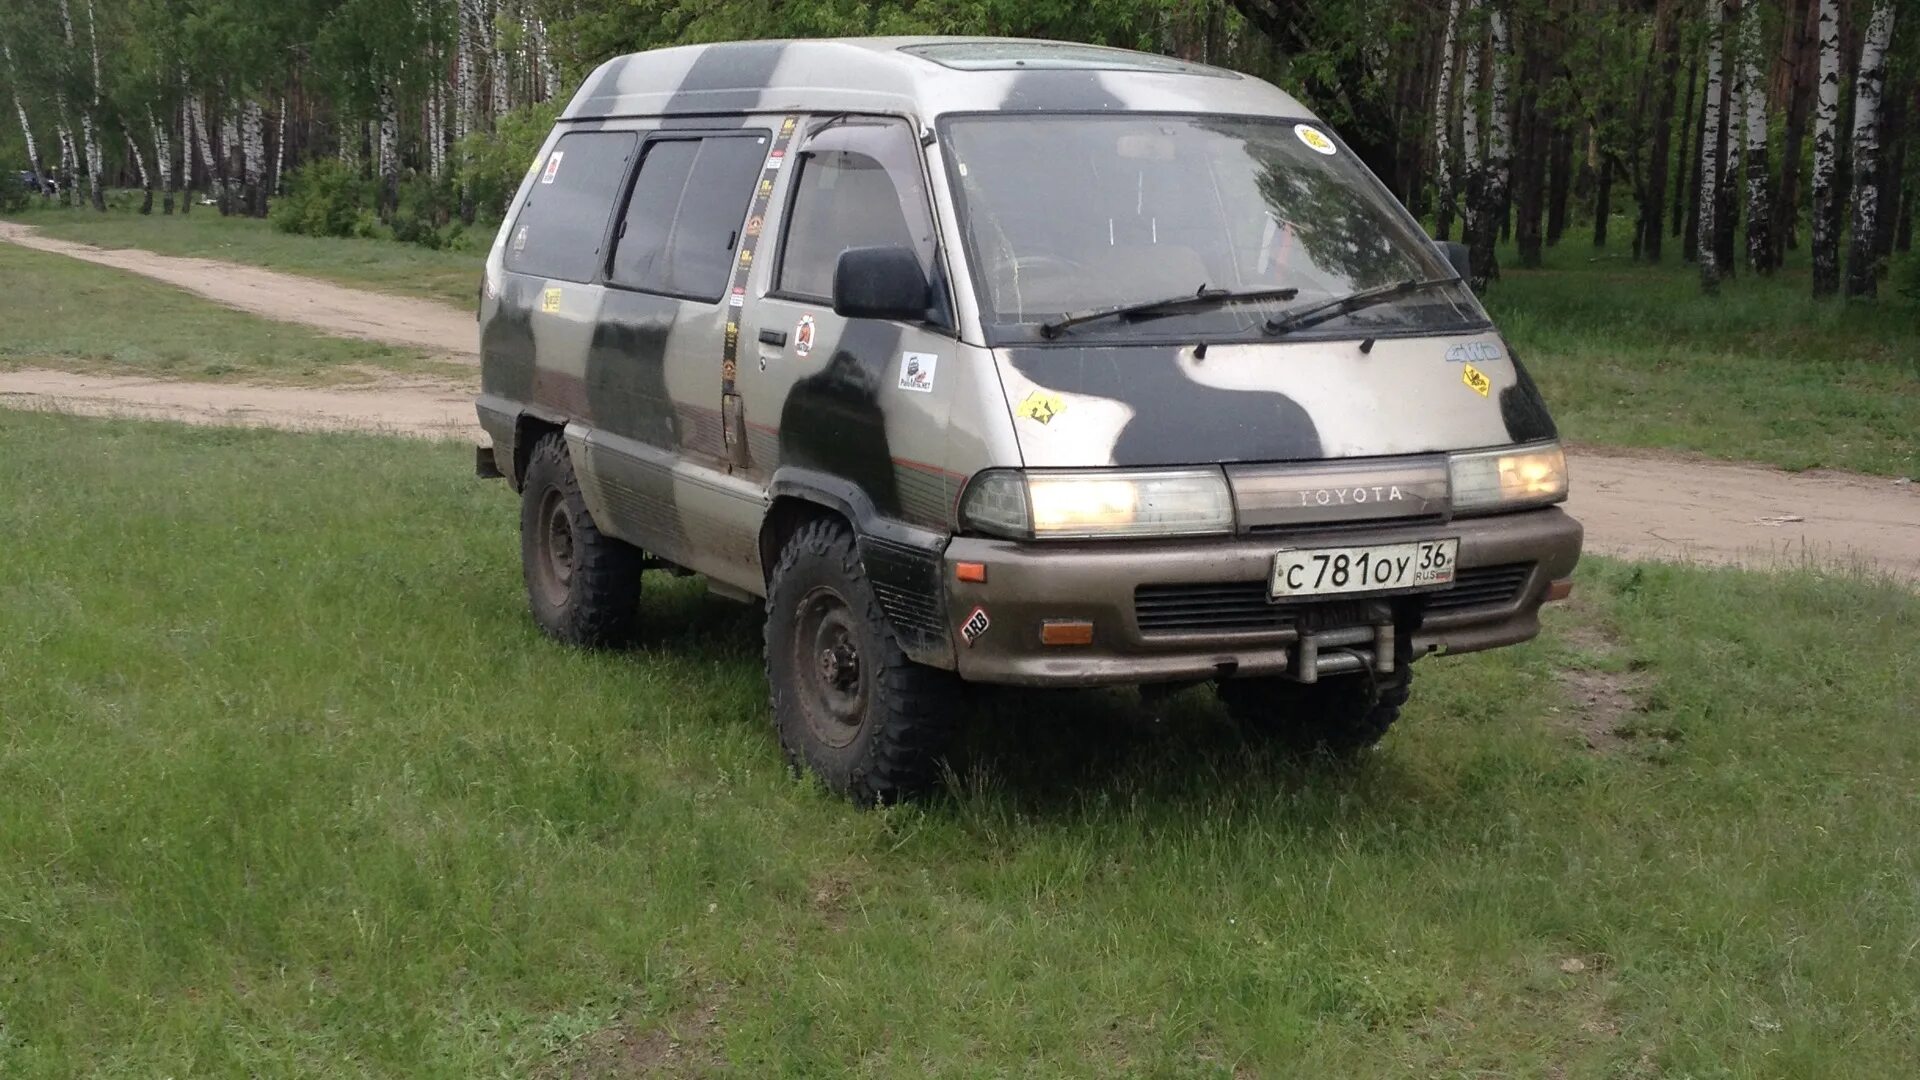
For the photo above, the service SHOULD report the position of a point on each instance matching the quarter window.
(682, 220)
(563, 220)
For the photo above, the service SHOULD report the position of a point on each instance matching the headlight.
(1099, 503)
(1511, 478)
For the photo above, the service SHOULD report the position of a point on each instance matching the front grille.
(1213, 608)
(1482, 586)
(1229, 607)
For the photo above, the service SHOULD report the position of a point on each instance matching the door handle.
(773, 337)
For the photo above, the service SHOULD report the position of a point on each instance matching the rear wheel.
(1341, 715)
(848, 704)
(583, 586)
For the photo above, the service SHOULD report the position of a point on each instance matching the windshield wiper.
(1147, 309)
(1315, 314)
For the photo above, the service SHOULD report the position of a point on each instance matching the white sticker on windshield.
(916, 371)
(1315, 139)
(553, 167)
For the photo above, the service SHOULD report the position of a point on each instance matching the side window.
(683, 218)
(564, 219)
(859, 186)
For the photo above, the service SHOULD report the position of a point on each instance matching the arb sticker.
(803, 336)
(550, 301)
(553, 167)
(1475, 381)
(1315, 139)
(916, 371)
(975, 626)
(1041, 406)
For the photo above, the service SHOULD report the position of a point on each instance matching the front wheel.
(583, 586)
(848, 704)
(1342, 715)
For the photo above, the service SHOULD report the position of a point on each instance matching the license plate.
(1375, 568)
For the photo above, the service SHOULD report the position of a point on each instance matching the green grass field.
(294, 788)
(1628, 355)
(58, 312)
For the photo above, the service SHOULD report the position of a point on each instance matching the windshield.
(1071, 212)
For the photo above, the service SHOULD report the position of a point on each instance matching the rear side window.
(683, 218)
(563, 221)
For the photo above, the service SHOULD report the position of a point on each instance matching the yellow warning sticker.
(1476, 382)
(550, 301)
(1041, 406)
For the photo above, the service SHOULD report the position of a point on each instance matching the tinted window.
(564, 219)
(683, 220)
(845, 199)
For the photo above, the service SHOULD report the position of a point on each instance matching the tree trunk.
(1826, 218)
(146, 180)
(253, 151)
(1603, 201)
(203, 142)
(1530, 172)
(1442, 127)
(26, 126)
(1489, 215)
(1893, 124)
(1690, 123)
(163, 161)
(550, 75)
(1759, 210)
(1862, 275)
(276, 184)
(1713, 135)
(1666, 33)
(498, 73)
(388, 155)
(1732, 107)
(1801, 57)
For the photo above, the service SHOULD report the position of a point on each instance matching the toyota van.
(1012, 362)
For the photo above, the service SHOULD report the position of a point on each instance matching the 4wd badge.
(1482, 351)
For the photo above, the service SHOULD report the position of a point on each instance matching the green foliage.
(490, 164)
(323, 198)
(14, 197)
(1906, 276)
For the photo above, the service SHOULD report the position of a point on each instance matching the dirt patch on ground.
(395, 406)
(336, 309)
(677, 1046)
(1604, 689)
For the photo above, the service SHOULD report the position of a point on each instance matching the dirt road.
(1633, 505)
(336, 309)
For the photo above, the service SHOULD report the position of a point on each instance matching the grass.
(71, 315)
(294, 788)
(1628, 355)
(1635, 355)
(404, 269)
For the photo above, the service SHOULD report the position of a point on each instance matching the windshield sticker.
(1041, 406)
(520, 239)
(553, 167)
(1315, 139)
(1483, 351)
(916, 371)
(1475, 381)
(803, 336)
(975, 626)
(550, 301)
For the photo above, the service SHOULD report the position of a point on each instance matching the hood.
(1145, 405)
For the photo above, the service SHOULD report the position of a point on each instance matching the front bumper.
(1179, 610)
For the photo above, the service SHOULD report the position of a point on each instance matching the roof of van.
(916, 76)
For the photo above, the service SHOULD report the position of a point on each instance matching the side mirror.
(1458, 257)
(880, 283)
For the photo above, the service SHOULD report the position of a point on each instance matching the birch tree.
(253, 152)
(1442, 122)
(1493, 180)
(146, 179)
(1759, 208)
(1712, 136)
(1862, 278)
(96, 169)
(1826, 116)
(1470, 163)
(72, 163)
(26, 126)
(163, 154)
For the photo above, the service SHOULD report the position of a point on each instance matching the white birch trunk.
(1493, 181)
(253, 145)
(146, 179)
(1868, 88)
(1826, 116)
(550, 75)
(1442, 124)
(85, 146)
(163, 161)
(1711, 129)
(387, 153)
(68, 160)
(498, 65)
(203, 139)
(1759, 201)
(278, 181)
(466, 101)
(437, 132)
(26, 126)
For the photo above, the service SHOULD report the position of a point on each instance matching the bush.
(1906, 275)
(323, 198)
(491, 163)
(425, 207)
(14, 196)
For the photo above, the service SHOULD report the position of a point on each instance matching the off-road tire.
(595, 600)
(882, 737)
(1340, 716)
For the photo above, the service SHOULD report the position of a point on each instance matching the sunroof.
(1048, 55)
